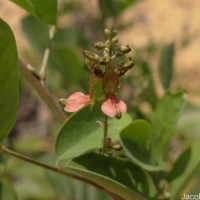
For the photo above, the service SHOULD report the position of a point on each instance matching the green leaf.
(8, 80)
(7, 191)
(184, 168)
(36, 32)
(135, 139)
(45, 10)
(166, 117)
(166, 65)
(82, 132)
(115, 175)
(25, 4)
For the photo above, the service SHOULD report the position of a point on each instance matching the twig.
(45, 59)
(115, 197)
(48, 167)
(42, 90)
(64, 172)
(105, 136)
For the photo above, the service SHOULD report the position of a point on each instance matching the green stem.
(45, 59)
(42, 90)
(115, 197)
(48, 167)
(105, 135)
(64, 172)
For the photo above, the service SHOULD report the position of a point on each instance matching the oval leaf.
(8, 80)
(83, 132)
(117, 176)
(36, 32)
(135, 139)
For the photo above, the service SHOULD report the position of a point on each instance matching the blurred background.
(165, 41)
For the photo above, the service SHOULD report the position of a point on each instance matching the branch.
(64, 172)
(114, 196)
(45, 59)
(48, 167)
(42, 90)
(105, 136)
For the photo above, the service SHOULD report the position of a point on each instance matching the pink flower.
(75, 102)
(113, 107)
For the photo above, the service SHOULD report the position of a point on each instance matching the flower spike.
(105, 68)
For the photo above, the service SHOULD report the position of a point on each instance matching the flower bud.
(104, 60)
(91, 56)
(106, 52)
(128, 63)
(119, 53)
(124, 67)
(113, 32)
(118, 114)
(90, 64)
(114, 40)
(107, 43)
(62, 102)
(107, 33)
(125, 49)
(99, 45)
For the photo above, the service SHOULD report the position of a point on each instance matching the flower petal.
(77, 95)
(113, 107)
(121, 106)
(73, 107)
(108, 108)
(76, 101)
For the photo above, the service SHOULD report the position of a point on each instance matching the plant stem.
(64, 172)
(105, 135)
(42, 90)
(45, 59)
(115, 197)
(48, 167)
(43, 69)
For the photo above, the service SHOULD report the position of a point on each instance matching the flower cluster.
(105, 69)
